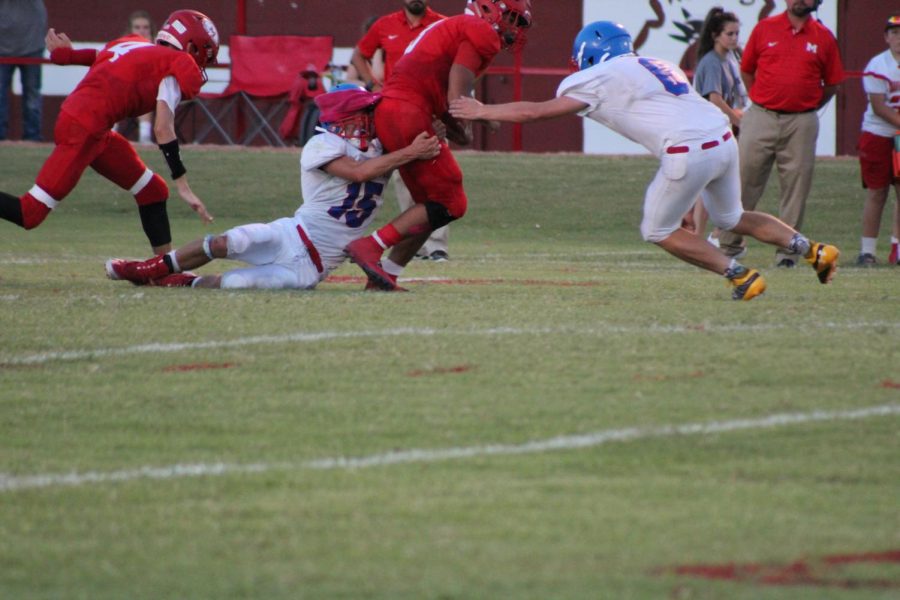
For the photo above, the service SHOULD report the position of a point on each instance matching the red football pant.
(397, 123)
(107, 152)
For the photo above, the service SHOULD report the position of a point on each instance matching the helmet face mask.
(599, 42)
(509, 18)
(348, 112)
(358, 130)
(192, 32)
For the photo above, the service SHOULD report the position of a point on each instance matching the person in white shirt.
(880, 127)
(651, 102)
(343, 174)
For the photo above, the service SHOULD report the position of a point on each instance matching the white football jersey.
(648, 100)
(336, 211)
(882, 76)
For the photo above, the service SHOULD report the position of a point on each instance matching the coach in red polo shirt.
(791, 67)
(392, 33)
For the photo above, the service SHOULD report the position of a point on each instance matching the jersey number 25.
(355, 209)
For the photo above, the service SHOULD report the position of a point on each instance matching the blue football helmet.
(599, 42)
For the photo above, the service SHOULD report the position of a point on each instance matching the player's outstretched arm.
(164, 129)
(425, 146)
(515, 112)
(62, 53)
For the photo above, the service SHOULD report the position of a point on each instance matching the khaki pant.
(438, 238)
(789, 142)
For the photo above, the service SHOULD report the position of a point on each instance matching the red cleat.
(372, 287)
(894, 256)
(135, 271)
(174, 280)
(366, 253)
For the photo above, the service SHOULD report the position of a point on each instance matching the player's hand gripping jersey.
(124, 81)
(648, 100)
(422, 75)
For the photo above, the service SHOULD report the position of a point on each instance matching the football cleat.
(371, 286)
(866, 260)
(894, 256)
(824, 259)
(748, 286)
(366, 253)
(184, 279)
(135, 271)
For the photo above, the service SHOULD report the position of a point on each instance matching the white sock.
(144, 135)
(391, 267)
(894, 241)
(175, 266)
(868, 246)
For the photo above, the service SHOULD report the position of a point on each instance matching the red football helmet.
(346, 111)
(192, 32)
(509, 18)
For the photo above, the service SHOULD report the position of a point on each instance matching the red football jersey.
(124, 82)
(422, 75)
(393, 33)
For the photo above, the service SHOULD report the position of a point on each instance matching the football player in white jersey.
(651, 102)
(343, 174)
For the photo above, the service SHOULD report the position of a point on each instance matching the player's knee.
(218, 246)
(438, 214)
(654, 234)
(236, 242)
(727, 222)
(151, 191)
(33, 212)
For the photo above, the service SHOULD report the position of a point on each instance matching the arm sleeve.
(708, 78)
(320, 150)
(874, 82)
(169, 92)
(468, 56)
(71, 56)
(587, 91)
(834, 68)
(748, 59)
(370, 42)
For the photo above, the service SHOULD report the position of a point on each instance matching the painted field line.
(10, 483)
(307, 337)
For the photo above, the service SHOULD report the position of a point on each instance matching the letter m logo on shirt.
(811, 47)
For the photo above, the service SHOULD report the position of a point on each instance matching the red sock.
(389, 235)
(154, 268)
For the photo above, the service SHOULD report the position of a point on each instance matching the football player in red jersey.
(440, 65)
(128, 77)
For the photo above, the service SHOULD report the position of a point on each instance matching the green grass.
(563, 322)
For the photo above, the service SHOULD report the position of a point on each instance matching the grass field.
(560, 411)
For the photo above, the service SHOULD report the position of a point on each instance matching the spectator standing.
(880, 124)
(391, 34)
(717, 79)
(22, 28)
(792, 68)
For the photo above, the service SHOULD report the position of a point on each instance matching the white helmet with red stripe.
(193, 32)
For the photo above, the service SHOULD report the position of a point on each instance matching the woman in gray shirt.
(717, 78)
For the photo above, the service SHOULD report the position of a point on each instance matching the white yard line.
(10, 483)
(306, 337)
